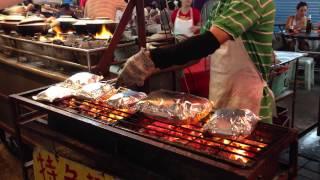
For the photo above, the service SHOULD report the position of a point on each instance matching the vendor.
(238, 34)
(102, 8)
(21, 9)
(8, 3)
(298, 22)
(186, 20)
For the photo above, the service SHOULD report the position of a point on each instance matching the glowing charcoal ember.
(174, 133)
(160, 124)
(104, 118)
(210, 150)
(115, 117)
(182, 141)
(92, 114)
(226, 142)
(193, 128)
(194, 133)
(234, 157)
(239, 158)
(159, 129)
(254, 143)
(154, 133)
(171, 139)
(245, 147)
(124, 114)
(207, 143)
(84, 107)
(188, 131)
(240, 152)
(196, 145)
(96, 110)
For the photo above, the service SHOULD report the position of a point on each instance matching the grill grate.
(243, 152)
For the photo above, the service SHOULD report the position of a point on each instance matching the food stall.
(34, 55)
(124, 133)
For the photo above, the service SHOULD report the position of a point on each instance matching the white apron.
(235, 81)
(183, 27)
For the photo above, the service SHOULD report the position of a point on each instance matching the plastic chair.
(307, 64)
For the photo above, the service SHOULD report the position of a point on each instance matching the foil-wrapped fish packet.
(54, 93)
(81, 79)
(231, 122)
(178, 107)
(126, 100)
(94, 90)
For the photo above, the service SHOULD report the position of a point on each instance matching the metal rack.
(83, 59)
(289, 93)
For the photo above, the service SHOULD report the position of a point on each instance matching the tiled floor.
(9, 165)
(308, 160)
(309, 149)
(307, 108)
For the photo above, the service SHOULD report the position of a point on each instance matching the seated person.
(298, 22)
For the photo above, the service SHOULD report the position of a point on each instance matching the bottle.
(309, 25)
(291, 29)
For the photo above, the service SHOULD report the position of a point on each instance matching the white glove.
(136, 70)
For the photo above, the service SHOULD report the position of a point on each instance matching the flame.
(104, 33)
(58, 35)
(43, 39)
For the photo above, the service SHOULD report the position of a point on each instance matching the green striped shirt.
(253, 21)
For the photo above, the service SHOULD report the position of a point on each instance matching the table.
(313, 36)
(280, 25)
(286, 57)
(307, 36)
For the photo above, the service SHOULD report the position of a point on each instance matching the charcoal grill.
(240, 152)
(170, 150)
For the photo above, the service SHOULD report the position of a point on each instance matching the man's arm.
(191, 49)
(8, 3)
(236, 19)
(232, 23)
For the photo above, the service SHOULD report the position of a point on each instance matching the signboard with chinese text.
(48, 166)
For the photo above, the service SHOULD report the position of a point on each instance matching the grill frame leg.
(293, 160)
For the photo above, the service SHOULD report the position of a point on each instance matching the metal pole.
(293, 106)
(107, 57)
(141, 23)
(318, 132)
(88, 61)
(293, 160)
(16, 117)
